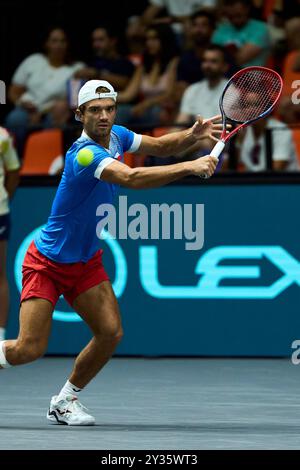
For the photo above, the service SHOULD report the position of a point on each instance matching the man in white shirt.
(253, 147)
(39, 88)
(9, 177)
(203, 97)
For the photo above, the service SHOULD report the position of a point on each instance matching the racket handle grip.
(216, 152)
(218, 149)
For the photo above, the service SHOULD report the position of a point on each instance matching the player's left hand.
(208, 128)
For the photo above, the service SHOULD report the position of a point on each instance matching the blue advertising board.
(238, 295)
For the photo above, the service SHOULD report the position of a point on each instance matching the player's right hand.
(204, 166)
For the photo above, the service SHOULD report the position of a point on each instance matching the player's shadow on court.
(204, 427)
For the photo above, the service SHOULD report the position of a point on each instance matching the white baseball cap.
(88, 91)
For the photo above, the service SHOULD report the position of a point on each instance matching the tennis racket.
(249, 95)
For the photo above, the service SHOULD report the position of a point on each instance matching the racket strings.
(251, 94)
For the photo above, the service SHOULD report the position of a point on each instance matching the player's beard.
(104, 132)
(210, 74)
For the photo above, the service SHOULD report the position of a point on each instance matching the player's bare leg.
(35, 326)
(4, 290)
(99, 309)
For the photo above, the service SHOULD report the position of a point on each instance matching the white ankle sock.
(3, 361)
(2, 334)
(67, 390)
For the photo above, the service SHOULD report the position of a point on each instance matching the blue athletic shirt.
(70, 233)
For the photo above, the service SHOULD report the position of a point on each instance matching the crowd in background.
(178, 57)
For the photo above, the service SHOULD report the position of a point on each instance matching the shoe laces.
(72, 403)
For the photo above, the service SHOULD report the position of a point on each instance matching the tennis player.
(65, 258)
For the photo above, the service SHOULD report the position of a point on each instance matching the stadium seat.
(43, 153)
(129, 159)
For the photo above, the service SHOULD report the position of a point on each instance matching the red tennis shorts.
(46, 279)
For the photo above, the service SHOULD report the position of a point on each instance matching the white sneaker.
(70, 412)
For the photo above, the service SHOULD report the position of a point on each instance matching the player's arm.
(177, 142)
(146, 177)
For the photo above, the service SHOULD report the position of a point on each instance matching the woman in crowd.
(39, 87)
(152, 84)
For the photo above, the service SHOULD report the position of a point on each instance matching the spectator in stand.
(202, 98)
(39, 87)
(9, 178)
(107, 63)
(153, 81)
(253, 147)
(246, 39)
(202, 25)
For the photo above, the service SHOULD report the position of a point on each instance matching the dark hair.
(46, 35)
(110, 30)
(56, 27)
(209, 15)
(169, 47)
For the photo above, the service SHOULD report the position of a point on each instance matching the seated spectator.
(253, 147)
(39, 87)
(202, 25)
(107, 63)
(203, 97)
(246, 39)
(153, 81)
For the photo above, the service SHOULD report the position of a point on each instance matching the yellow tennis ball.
(85, 157)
